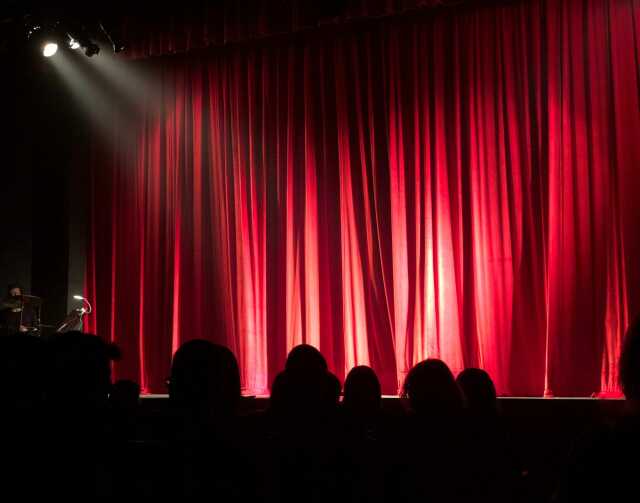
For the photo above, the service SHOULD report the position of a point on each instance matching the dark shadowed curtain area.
(176, 28)
(462, 185)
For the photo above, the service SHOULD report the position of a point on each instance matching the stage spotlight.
(81, 36)
(49, 49)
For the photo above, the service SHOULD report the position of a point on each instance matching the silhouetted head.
(305, 357)
(630, 362)
(432, 389)
(79, 370)
(205, 376)
(479, 391)
(362, 393)
(21, 372)
(306, 386)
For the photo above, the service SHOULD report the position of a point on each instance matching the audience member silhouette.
(362, 395)
(23, 416)
(305, 357)
(209, 455)
(79, 373)
(303, 440)
(479, 392)
(432, 461)
(205, 381)
(602, 466)
(494, 468)
(432, 390)
(305, 389)
(367, 436)
(80, 450)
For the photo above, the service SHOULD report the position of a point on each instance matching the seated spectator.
(602, 465)
(79, 372)
(305, 388)
(210, 456)
(479, 392)
(368, 433)
(305, 357)
(433, 454)
(432, 390)
(495, 469)
(80, 450)
(205, 381)
(362, 395)
(302, 442)
(23, 420)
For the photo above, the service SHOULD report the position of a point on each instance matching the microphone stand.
(74, 319)
(21, 313)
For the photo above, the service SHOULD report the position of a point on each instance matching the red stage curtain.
(461, 186)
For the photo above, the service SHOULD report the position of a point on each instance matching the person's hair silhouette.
(479, 391)
(432, 389)
(305, 387)
(362, 395)
(305, 357)
(79, 370)
(205, 375)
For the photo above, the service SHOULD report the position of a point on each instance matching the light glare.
(49, 49)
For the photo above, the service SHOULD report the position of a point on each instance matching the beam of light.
(97, 101)
(133, 80)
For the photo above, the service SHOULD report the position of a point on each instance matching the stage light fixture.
(114, 40)
(49, 49)
(45, 38)
(42, 29)
(83, 39)
(91, 49)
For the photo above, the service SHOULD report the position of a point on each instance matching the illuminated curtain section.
(460, 186)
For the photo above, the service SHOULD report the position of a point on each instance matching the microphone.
(83, 299)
